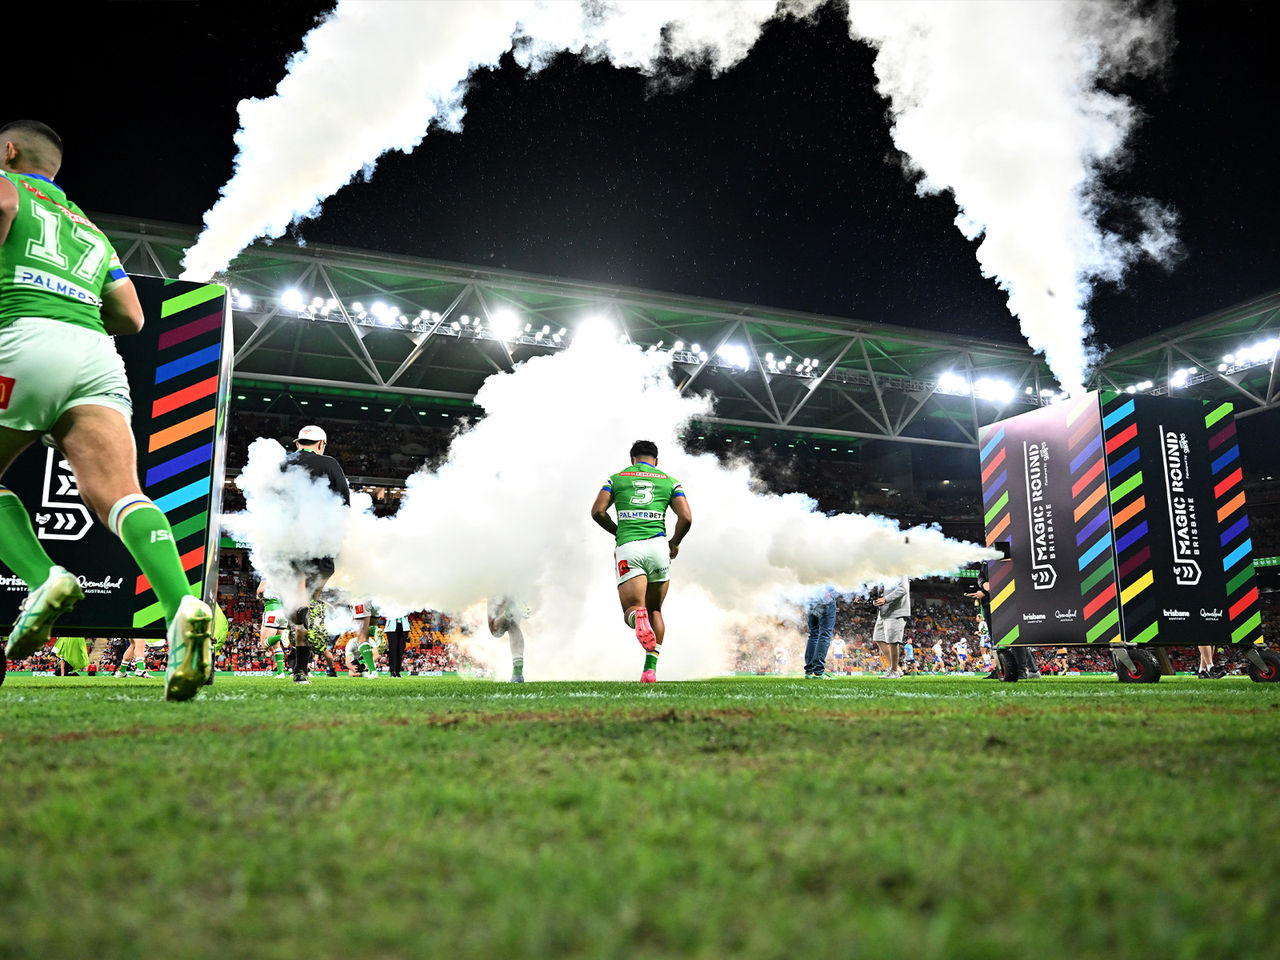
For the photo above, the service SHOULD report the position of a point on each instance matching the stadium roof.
(357, 321)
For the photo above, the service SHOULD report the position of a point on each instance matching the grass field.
(737, 817)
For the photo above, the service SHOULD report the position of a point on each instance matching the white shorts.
(643, 558)
(890, 630)
(48, 366)
(274, 620)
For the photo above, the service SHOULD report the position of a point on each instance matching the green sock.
(145, 531)
(651, 659)
(366, 654)
(631, 619)
(20, 551)
(140, 665)
(517, 666)
(279, 663)
(124, 667)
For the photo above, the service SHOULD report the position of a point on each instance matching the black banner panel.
(1045, 497)
(1124, 517)
(1184, 553)
(179, 370)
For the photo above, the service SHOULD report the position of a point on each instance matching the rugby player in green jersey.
(642, 558)
(272, 633)
(63, 295)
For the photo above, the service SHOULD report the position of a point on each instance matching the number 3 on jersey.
(643, 492)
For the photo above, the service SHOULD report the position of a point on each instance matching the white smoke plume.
(375, 74)
(999, 103)
(508, 513)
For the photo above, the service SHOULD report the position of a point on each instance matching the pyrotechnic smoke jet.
(508, 513)
(375, 74)
(997, 102)
(1000, 104)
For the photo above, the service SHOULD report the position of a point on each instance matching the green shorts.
(48, 366)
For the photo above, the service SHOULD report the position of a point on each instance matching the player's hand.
(880, 601)
(675, 549)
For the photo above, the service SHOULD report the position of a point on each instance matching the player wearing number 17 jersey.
(640, 495)
(62, 293)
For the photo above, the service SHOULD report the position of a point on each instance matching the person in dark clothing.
(314, 572)
(397, 629)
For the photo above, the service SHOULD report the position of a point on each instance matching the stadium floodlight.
(292, 299)
(456, 326)
(735, 353)
(769, 357)
(555, 336)
(953, 383)
(379, 309)
(696, 348)
(594, 328)
(1130, 389)
(997, 391)
(505, 324)
(678, 345)
(703, 356)
(424, 314)
(244, 301)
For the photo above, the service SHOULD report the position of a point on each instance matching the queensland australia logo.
(1044, 550)
(1184, 532)
(1066, 616)
(1213, 615)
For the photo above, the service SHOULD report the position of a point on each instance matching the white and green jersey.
(54, 263)
(641, 495)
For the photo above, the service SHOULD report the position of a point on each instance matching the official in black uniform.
(315, 572)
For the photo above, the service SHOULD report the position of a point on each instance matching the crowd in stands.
(382, 455)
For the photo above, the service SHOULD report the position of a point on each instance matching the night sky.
(774, 184)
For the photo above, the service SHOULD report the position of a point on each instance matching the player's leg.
(51, 590)
(515, 638)
(655, 593)
(631, 595)
(140, 658)
(20, 549)
(98, 444)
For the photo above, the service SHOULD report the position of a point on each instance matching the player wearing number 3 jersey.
(642, 558)
(62, 292)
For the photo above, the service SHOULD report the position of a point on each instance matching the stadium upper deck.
(356, 323)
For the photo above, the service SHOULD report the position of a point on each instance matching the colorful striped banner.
(181, 443)
(1243, 615)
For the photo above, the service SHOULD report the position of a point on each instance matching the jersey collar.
(39, 177)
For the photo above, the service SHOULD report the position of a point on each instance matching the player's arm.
(8, 206)
(600, 511)
(121, 309)
(684, 520)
